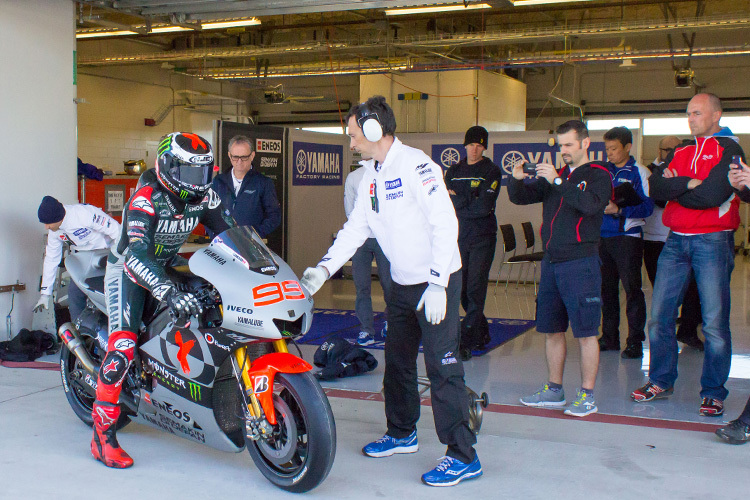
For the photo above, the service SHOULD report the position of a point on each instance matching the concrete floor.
(671, 453)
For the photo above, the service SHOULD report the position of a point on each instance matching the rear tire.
(300, 454)
(74, 378)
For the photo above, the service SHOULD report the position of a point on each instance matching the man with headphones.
(404, 203)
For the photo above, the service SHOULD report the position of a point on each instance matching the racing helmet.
(184, 165)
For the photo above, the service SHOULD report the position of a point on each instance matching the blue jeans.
(362, 274)
(711, 257)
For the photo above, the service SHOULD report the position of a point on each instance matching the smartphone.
(529, 168)
(736, 159)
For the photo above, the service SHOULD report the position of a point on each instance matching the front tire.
(74, 377)
(300, 454)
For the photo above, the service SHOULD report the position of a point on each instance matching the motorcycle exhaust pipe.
(69, 335)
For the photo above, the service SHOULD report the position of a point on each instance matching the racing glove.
(43, 302)
(434, 302)
(182, 304)
(313, 278)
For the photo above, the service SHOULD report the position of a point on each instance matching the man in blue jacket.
(249, 195)
(621, 248)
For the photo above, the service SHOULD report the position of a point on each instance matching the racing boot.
(104, 445)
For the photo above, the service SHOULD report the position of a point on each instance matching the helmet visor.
(198, 175)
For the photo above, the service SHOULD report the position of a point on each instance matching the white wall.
(451, 106)
(38, 130)
(111, 126)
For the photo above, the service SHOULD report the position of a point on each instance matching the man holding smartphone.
(573, 202)
(702, 213)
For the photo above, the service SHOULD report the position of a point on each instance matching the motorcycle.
(225, 378)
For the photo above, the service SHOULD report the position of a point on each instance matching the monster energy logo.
(163, 145)
(183, 194)
(158, 249)
(195, 391)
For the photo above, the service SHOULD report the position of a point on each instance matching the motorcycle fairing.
(252, 298)
(263, 372)
(161, 409)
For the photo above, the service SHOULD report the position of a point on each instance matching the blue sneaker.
(452, 471)
(365, 339)
(387, 446)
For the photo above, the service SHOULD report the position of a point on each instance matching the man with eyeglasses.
(249, 195)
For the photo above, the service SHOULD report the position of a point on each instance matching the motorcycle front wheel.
(299, 455)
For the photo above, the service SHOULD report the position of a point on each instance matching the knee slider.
(114, 368)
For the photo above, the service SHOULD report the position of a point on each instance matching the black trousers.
(476, 259)
(407, 327)
(690, 314)
(622, 257)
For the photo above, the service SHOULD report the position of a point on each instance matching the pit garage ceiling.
(299, 38)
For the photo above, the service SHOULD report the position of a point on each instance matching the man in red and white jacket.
(702, 213)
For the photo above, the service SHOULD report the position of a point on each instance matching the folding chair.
(509, 252)
(531, 256)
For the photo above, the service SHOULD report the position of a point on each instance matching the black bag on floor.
(339, 358)
(27, 346)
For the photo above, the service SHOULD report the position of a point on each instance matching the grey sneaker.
(545, 398)
(582, 406)
(365, 339)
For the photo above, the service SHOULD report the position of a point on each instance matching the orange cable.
(335, 88)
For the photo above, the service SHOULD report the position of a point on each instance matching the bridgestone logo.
(268, 146)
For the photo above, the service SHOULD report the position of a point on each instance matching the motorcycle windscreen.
(247, 247)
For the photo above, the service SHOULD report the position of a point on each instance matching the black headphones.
(370, 125)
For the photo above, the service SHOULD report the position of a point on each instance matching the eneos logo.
(268, 146)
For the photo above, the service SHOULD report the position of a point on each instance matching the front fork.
(258, 378)
(243, 365)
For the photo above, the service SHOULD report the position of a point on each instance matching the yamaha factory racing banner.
(507, 155)
(317, 164)
(446, 155)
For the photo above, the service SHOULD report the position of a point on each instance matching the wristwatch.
(557, 181)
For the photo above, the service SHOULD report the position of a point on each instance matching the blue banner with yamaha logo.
(317, 164)
(507, 155)
(446, 155)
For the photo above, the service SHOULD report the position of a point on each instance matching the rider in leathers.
(159, 217)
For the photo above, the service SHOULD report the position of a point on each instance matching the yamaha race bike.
(225, 378)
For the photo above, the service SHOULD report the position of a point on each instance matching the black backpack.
(339, 358)
(27, 346)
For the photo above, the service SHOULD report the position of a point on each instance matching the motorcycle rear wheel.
(300, 454)
(73, 378)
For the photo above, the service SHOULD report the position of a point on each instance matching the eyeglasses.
(666, 150)
(240, 158)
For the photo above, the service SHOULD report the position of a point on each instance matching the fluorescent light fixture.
(169, 29)
(98, 34)
(231, 24)
(524, 3)
(436, 8)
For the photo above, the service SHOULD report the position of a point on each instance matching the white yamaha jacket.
(85, 227)
(405, 203)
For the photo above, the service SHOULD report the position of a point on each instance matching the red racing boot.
(104, 445)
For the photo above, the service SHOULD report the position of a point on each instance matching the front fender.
(262, 374)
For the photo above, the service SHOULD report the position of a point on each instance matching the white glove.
(313, 278)
(434, 302)
(43, 303)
